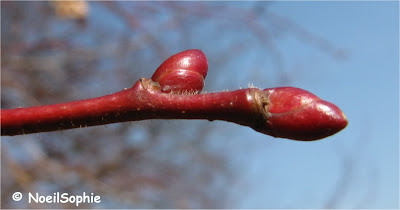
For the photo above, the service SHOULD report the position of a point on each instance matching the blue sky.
(365, 86)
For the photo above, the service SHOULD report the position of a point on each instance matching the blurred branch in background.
(71, 9)
(61, 51)
(352, 163)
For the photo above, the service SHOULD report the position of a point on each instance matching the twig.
(284, 112)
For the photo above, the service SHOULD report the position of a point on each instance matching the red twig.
(281, 112)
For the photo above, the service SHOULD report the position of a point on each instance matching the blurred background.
(344, 52)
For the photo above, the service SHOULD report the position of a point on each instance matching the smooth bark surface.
(262, 110)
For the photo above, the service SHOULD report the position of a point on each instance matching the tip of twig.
(297, 114)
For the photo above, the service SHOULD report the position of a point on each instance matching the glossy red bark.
(143, 101)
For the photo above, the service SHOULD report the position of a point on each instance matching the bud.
(298, 114)
(182, 72)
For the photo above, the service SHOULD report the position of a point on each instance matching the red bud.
(182, 72)
(298, 114)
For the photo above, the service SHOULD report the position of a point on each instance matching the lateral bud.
(182, 72)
